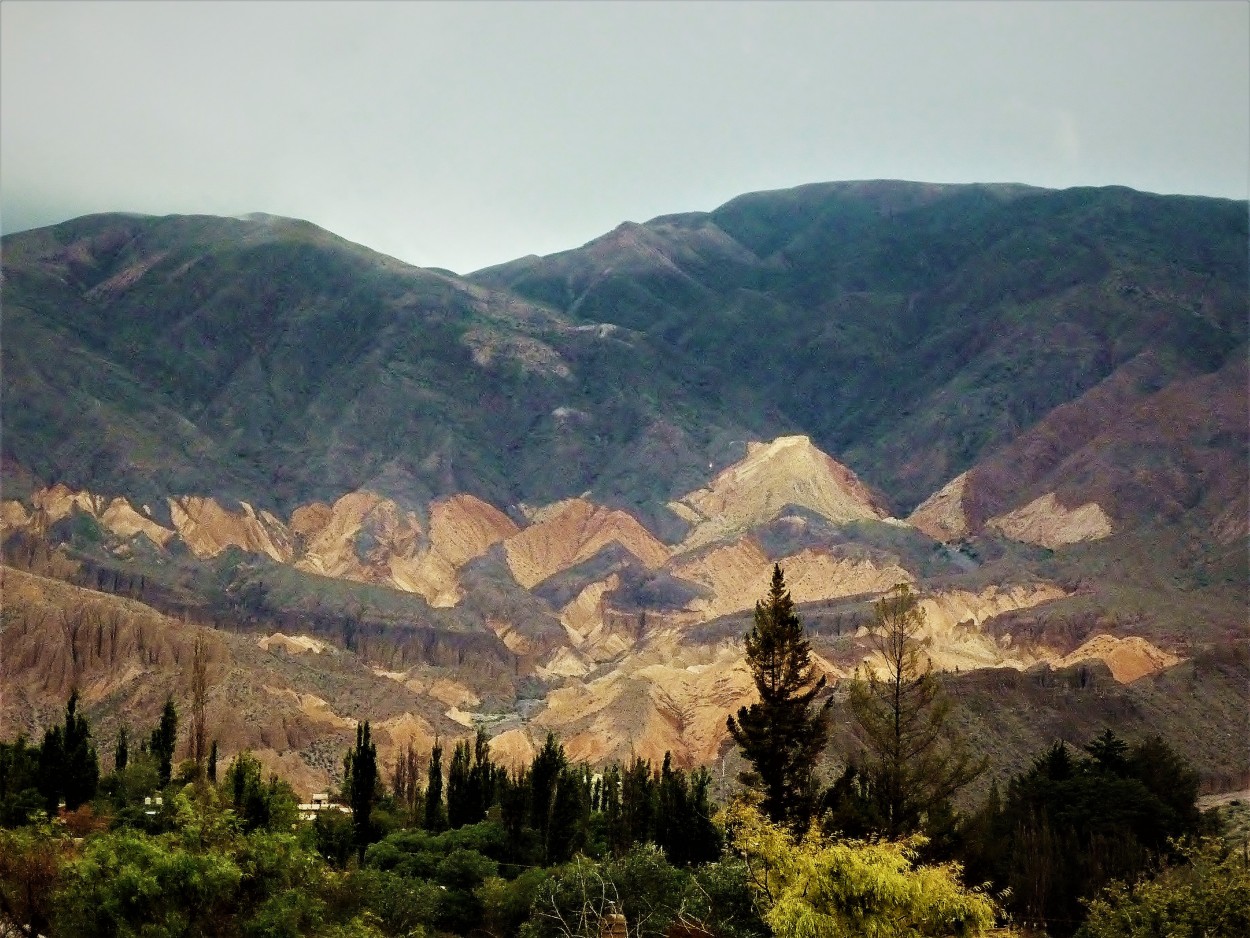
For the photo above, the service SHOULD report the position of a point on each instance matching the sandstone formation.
(738, 574)
(1129, 658)
(207, 528)
(941, 515)
(617, 679)
(566, 533)
(789, 471)
(1047, 523)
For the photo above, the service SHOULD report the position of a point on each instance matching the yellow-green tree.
(822, 887)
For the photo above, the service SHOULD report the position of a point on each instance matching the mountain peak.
(788, 471)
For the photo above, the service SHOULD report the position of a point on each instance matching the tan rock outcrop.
(207, 529)
(122, 519)
(1047, 523)
(953, 637)
(648, 707)
(59, 501)
(572, 531)
(463, 527)
(787, 471)
(13, 515)
(294, 644)
(739, 573)
(514, 748)
(333, 549)
(1128, 658)
(941, 515)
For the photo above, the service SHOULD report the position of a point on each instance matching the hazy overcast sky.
(465, 134)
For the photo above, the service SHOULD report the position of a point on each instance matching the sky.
(461, 135)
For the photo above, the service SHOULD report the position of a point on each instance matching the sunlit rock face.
(617, 670)
(788, 472)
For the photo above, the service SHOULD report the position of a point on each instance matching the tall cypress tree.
(82, 766)
(783, 733)
(68, 766)
(435, 814)
(121, 754)
(461, 809)
(544, 777)
(361, 780)
(484, 777)
(163, 740)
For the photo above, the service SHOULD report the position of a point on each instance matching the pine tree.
(916, 764)
(212, 764)
(782, 734)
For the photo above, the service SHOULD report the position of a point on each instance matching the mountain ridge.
(546, 495)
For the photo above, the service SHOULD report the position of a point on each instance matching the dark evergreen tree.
(212, 763)
(782, 734)
(435, 813)
(82, 766)
(461, 809)
(544, 780)
(163, 740)
(1069, 825)
(484, 777)
(609, 808)
(121, 753)
(361, 785)
(20, 790)
(69, 769)
(683, 823)
(514, 813)
(637, 804)
(569, 817)
(472, 780)
(259, 805)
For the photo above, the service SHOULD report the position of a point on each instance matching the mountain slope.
(913, 328)
(547, 496)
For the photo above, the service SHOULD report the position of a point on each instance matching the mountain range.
(546, 495)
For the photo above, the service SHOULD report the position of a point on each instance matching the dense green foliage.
(546, 851)
(822, 888)
(1069, 825)
(784, 732)
(1208, 896)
